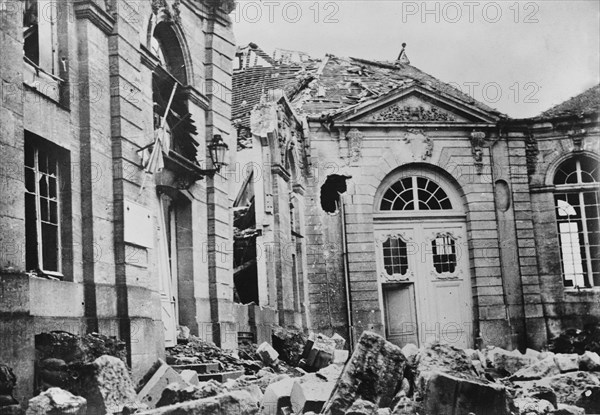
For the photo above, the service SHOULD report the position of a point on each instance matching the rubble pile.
(195, 350)
(8, 381)
(577, 341)
(63, 358)
(379, 378)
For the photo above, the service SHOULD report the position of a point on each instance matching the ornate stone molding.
(355, 139)
(420, 144)
(406, 113)
(477, 144)
(165, 11)
(89, 9)
(577, 137)
(531, 154)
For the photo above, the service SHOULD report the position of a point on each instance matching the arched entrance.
(423, 259)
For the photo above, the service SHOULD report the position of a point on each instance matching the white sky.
(519, 57)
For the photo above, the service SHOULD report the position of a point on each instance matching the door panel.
(438, 270)
(400, 313)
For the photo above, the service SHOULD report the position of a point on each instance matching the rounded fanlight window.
(415, 193)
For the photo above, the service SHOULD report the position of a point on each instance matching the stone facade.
(481, 263)
(85, 102)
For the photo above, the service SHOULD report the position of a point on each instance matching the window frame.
(579, 188)
(38, 146)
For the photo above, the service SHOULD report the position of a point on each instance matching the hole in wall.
(330, 192)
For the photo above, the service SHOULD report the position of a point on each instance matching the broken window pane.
(578, 221)
(444, 254)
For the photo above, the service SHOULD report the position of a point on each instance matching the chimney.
(402, 58)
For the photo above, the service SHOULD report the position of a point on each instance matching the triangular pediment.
(416, 105)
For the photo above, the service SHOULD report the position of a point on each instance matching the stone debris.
(56, 401)
(108, 387)
(289, 344)
(267, 354)
(194, 350)
(540, 369)
(589, 361)
(277, 396)
(310, 395)
(63, 357)
(237, 402)
(577, 341)
(378, 378)
(373, 373)
(158, 378)
(8, 381)
(447, 382)
(190, 376)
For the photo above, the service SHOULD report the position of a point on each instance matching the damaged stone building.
(115, 209)
(428, 215)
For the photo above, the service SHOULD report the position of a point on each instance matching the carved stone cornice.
(90, 10)
(407, 113)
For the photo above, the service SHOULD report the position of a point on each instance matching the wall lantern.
(218, 151)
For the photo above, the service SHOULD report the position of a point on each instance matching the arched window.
(577, 185)
(168, 93)
(415, 193)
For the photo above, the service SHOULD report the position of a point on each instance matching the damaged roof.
(333, 85)
(345, 82)
(588, 102)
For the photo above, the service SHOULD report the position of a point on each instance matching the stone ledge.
(88, 9)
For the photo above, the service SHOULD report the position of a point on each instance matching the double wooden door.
(423, 269)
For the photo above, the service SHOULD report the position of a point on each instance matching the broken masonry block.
(542, 368)
(267, 354)
(510, 362)
(109, 389)
(190, 376)
(373, 373)
(200, 368)
(310, 396)
(277, 396)
(57, 401)
(362, 407)
(221, 376)
(446, 393)
(340, 342)
(237, 402)
(152, 391)
(589, 361)
(340, 357)
(567, 362)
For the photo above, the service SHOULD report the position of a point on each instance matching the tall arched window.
(577, 197)
(169, 79)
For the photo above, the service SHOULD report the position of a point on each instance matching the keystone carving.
(168, 12)
(477, 143)
(419, 143)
